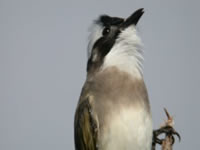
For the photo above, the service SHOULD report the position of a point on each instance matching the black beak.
(134, 18)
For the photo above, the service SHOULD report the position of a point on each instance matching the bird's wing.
(85, 126)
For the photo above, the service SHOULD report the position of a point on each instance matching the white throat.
(126, 53)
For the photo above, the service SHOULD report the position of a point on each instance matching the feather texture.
(85, 127)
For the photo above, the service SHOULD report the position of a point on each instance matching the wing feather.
(85, 127)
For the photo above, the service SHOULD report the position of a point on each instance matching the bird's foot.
(169, 132)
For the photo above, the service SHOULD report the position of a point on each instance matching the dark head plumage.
(109, 30)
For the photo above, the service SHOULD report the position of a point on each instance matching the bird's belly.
(130, 129)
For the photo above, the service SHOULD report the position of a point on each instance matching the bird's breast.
(122, 109)
(127, 129)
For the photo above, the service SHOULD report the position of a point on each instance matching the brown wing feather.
(85, 127)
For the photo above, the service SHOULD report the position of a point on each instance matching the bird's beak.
(134, 18)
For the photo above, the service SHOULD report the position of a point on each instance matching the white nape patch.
(126, 53)
(131, 129)
(95, 33)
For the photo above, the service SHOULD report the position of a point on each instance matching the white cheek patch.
(95, 34)
(126, 53)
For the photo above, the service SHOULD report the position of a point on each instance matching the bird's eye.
(106, 30)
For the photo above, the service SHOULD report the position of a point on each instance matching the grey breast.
(112, 90)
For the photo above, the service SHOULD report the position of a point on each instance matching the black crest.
(109, 21)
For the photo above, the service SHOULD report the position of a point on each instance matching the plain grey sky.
(43, 66)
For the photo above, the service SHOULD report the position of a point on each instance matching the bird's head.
(114, 42)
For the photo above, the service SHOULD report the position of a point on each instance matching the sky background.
(43, 66)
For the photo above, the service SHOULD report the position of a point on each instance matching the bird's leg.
(169, 132)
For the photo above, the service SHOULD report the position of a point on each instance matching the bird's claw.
(168, 131)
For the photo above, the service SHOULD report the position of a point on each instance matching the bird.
(113, 112)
